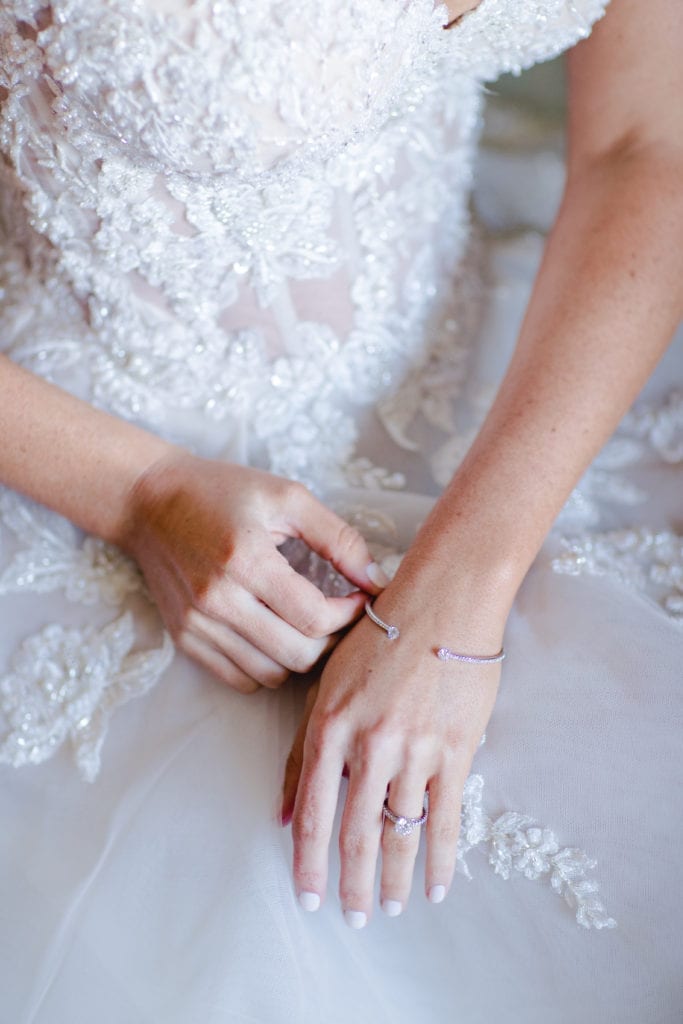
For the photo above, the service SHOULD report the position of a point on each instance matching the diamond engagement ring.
(404, 826)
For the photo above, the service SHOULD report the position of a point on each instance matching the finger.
(405, 798)
(443, 829)
(239, 650)
(335, 541)
(300, 603)
(245, 626)
(296, 759)
(359, 840)
(217, 663)
(314, 810)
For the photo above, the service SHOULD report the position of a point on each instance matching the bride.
(247, 439)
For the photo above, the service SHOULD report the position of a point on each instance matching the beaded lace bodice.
(250, 215)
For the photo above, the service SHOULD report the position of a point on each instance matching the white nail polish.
(355, 918)
(377, 575)
(437, 894)
(309, 900)
(392, 908)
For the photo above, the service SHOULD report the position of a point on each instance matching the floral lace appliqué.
(52, 559)
(651, 562)
(515, 843)
(661, 425)
(64, 684)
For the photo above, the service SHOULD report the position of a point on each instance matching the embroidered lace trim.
(515, 843)
(64, 684)
(648, 561)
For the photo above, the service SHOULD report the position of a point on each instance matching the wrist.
(139, 479)
(448, 606)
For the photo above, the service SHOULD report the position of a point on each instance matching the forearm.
(64, 453)
(606, 301)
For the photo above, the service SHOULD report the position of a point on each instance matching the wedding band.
(404, 826)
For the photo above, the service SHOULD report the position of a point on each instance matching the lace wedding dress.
(246, 227)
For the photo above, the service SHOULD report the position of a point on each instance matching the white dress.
(246, 227)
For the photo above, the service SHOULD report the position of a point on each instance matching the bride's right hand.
(205, 535)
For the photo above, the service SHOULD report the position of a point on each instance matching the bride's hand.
(205, 535)
(396, 719)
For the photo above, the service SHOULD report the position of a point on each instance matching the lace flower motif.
(603, 484)
(64, 684)
(650, 562)
(661, 425)
(516, 843)
(51, 558)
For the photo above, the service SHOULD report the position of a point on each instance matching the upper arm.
(626, 83)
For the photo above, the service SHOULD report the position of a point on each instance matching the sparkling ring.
(404, 826)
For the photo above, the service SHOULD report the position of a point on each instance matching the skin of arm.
(607, 298)
(205, 533)
(69, 456)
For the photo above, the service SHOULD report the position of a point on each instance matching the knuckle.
(418, 752)
(348, 539)
(314, 624)
(306, 827)
(301, 661)
(354, 845)
(376, 741)
(180, 634)
(191, 619)
(274, 678)
(454, 763)
(326, 730)
(202, 592)
(238, 566)
(295, 493)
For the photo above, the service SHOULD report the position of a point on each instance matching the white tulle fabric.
(246, 227)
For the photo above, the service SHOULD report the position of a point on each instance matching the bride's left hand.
(397, 720)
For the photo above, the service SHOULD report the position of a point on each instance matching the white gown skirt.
(163, 892)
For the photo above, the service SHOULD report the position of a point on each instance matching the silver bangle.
(442, 653)
(446, 654)
(393, 632)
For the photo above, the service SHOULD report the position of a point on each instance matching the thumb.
(337, 542)
(296, 759)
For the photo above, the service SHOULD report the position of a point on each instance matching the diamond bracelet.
(442, 653)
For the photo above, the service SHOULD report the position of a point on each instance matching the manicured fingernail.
(392, 908)
(286, 814)
(309, 900)
(355, 918)
(283, 815)
(437, 894)
(377, 575)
